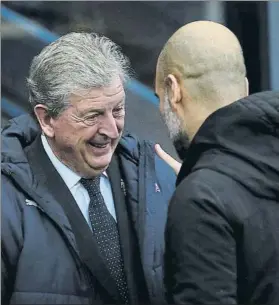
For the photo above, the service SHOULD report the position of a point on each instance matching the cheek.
(161, 106)
(84, 135)
(68, 135)
(120, 123)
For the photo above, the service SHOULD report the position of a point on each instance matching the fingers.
(175, 165)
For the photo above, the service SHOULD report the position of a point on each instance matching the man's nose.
(109, 127)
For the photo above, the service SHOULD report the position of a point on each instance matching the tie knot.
(91, 185)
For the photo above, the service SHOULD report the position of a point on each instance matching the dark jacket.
(222, 235)
(40, 260)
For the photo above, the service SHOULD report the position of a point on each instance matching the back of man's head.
(207, 58)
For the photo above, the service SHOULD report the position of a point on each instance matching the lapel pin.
(157, 189)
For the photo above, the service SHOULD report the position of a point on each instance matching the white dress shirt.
(72, 180)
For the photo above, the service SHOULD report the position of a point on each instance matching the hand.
(175, 165)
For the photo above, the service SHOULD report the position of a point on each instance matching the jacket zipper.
(146, 152)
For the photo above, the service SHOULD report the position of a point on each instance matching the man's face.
(177, 134)
(174, 124)
(87, 133)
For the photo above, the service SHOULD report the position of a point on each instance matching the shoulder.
(12, 212)
(198, 209)
(135, 147)
(11, 200)
(201, 191)
(142, 153)
(129, 146)
(8, 187)
(209, 183)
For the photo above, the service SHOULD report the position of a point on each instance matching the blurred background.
(141, 28)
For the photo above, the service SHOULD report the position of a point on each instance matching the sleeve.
(5, 285)
(200, 260)
(11, 238)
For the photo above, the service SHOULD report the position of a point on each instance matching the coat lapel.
(69, 216)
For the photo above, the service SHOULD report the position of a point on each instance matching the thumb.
(175, 165)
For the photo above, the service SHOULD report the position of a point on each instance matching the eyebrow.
(121, 102)
(102, 110)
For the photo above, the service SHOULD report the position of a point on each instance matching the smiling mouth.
(99, 145)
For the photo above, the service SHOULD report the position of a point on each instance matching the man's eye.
(92, 116)
(119, 109)
(90, 119)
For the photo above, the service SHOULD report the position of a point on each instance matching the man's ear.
(44, 120)
(247, 86)
(173, 90)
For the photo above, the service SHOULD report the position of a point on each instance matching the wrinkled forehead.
(100, 97)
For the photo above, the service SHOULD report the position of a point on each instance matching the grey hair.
(71, 64)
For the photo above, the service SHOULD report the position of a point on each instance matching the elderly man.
(83, 207)
(222, 241)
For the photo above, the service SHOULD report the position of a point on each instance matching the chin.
(93, 170)
(181, 143)
(101, 162)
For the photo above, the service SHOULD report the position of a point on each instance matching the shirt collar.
(69, 176)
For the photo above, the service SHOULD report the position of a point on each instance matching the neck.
(199, 112)
(60, 156)
(194, 119)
